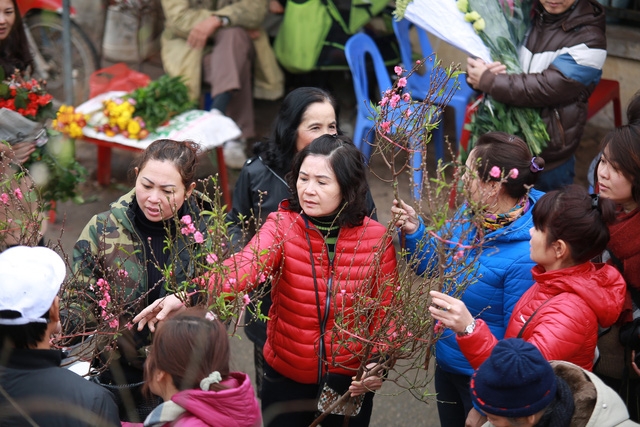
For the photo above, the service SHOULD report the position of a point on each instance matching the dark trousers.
(287, 403)
(454, 398)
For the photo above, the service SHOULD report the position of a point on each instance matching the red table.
(103, 173)
(210, 129)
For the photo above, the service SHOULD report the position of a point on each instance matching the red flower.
(44, 99)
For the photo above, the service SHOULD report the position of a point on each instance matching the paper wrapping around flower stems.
(443, 19)
(209, 129)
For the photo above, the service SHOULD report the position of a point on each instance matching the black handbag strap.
(531, 317)
(322, 320)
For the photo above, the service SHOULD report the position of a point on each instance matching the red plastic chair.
(606, 91)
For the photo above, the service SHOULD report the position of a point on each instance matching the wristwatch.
(468, 330)
(225, 20)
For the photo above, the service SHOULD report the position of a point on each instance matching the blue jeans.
(557, 177)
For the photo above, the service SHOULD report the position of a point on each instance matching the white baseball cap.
(30, 278)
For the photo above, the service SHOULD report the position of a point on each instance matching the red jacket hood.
(600, 285)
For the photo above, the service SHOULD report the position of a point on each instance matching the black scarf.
(153, 236)
(560, 412)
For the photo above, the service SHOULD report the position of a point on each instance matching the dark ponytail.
(581, 220)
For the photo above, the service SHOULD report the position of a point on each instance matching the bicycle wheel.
(46, 29)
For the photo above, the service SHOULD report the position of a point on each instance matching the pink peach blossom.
(394, 100)
(495, 172)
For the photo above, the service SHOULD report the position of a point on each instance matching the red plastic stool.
(606, 91)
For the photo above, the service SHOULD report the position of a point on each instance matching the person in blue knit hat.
(517, 387)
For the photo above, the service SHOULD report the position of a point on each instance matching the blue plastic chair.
(418, 84)
(357, 48)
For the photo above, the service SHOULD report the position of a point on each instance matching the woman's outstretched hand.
(158, 311)
(405, 216)
(450, 311)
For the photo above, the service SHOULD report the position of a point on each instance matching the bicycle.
(43, 25)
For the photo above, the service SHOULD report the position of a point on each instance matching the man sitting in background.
(215, 41)
(35, 389)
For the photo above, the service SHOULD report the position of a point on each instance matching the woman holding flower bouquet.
(122, 253)
(321, 251)
(562, 59)
(500, 172)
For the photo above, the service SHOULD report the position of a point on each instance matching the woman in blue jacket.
(499, 176)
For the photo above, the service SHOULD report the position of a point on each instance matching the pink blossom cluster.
(103, 290)
(190, 228)
(4, 197)
(392, 99)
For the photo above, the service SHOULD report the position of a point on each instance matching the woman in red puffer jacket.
(321, 252)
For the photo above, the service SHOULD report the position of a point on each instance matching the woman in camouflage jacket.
(126, 246)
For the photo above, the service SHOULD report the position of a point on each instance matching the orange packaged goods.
(117, 77)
